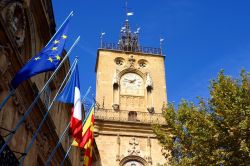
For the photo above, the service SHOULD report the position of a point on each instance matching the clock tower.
(130, 96)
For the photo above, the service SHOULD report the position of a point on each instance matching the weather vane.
(101, 37)
(127, 12)
(161, 42)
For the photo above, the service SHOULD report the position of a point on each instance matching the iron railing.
(140, 49)
(129, 116)
(7, 157)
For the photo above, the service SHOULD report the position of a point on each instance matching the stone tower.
(130, 96)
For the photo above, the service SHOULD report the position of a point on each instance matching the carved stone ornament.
(4, 63)
(115, 107)
(151, 110)
(15, 21)
(117, 157)
(6, 68)
(4, 3)
(149, 82)
(134, 147)
(131, 60)
(29, 125)
(116, 78)
(19, 107)
(45, 145)
(4, 77)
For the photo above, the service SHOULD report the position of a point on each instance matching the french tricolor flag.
(71, 94)
(76, 118)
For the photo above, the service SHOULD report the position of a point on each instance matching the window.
(132, 116)
(142, 63)
(119, 61)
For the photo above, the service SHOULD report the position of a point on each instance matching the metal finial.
(126, 9)
(101, 36)
(161, 42)
(138, 30)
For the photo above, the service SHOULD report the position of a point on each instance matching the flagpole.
(13, 90)
(61, 137)
(69, 74)
(7, 98)
(70, 14)
(66, 155)
(37, 97)
(86, 94)
(57, 145)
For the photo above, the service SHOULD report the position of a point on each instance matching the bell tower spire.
(128, 40)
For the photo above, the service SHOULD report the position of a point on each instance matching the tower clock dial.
(132, 84)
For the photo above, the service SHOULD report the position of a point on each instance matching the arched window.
(133, 160)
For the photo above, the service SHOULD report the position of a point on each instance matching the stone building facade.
(25, 28)
(130, 96)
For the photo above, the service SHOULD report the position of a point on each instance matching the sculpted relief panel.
(133, 103)
(134, 155)
(14, 15)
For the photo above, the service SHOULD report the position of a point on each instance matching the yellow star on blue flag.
(47, 60)
(54, 48)
(50, 59)
(64, 36)
(37, 58)
(56, 41)
(58, 57)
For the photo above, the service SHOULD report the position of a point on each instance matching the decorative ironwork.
(7, 157)
(140, 49)
(129, 42)
(129, 116)
(128, 39)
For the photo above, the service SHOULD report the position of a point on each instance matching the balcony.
(129, 116)
(7, 157)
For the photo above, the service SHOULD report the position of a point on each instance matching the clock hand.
(131, 81)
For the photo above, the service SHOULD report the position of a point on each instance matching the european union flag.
(47, 60)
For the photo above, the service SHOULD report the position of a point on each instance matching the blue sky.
(201, 37)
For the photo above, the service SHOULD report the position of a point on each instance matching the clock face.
(132, 84)
(133, 163)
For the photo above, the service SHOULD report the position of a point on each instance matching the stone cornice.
(105, 127)
(122, 52)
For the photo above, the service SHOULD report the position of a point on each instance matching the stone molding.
(123, 115)
(133, 158)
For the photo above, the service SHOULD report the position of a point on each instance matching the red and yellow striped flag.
(88, 152)
(87, 131)
(87, 138)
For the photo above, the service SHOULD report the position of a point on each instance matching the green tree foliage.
(216, 132)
